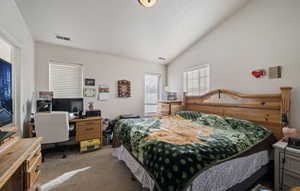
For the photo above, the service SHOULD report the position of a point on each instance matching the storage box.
(89, 145)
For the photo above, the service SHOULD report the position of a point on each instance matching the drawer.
(87, 136)
(291, 179)
(163, 109)
(292, 162)
(175, 108)
(89, 123)
(33, 157)
(33, 173)
(87, 129)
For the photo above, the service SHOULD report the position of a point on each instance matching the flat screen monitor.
(71, 105)
(6, 106)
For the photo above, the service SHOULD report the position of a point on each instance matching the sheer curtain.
(152, 88)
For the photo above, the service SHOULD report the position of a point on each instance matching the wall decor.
(89, 82)
(258, 73)
(89, 92)
(275, 72)
(124, 88)
(103, 92)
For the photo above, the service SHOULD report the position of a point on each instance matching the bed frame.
(265, 109)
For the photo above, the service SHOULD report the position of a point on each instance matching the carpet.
(106, 173)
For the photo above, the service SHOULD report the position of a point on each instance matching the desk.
(20, 162)
(85, 129)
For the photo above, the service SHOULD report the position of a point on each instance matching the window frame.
(194, 68)
(158, 93)
(65, 63)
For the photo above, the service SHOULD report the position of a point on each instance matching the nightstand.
(169, 107)
(287, 173)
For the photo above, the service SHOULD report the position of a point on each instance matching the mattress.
(218, 178)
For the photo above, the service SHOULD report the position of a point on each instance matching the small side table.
(169, 107)
(287, 172)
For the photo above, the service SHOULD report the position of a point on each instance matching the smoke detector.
(60, 37)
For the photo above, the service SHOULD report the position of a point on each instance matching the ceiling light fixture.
(148, 3)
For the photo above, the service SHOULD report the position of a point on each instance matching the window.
(152, 82)
(5, 51)
(65, 80)
(196, 80)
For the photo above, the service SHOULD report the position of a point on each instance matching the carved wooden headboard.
(264, 109)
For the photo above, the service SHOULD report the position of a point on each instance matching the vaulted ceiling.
(124, 27)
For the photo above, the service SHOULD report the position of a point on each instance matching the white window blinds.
(196, 80)
(65, 80)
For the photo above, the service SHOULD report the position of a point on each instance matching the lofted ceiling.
(124, 27)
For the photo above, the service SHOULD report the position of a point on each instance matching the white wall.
(105, 69)
(264, 33)
(14, 29)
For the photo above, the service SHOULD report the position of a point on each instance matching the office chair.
(53, 127)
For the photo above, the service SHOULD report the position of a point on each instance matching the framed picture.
(89, 92)
(89, 82)
(124, 88)
(103, 92)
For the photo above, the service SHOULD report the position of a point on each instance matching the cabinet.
(88, 128)
(20, 164)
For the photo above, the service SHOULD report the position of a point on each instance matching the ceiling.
(124, 27)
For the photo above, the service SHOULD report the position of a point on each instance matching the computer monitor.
(6, 106)
(71, 105)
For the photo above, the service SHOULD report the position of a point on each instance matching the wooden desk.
(85, 129)
(20, 162)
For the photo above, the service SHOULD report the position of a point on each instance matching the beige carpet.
(106, 172)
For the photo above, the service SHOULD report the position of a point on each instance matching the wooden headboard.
(264, 109)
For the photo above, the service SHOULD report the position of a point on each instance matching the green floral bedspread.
(174, 150)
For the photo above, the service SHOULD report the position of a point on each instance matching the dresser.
(20, 165)
(287, 172)
(169, 107)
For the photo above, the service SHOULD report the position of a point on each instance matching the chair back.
(52, 126)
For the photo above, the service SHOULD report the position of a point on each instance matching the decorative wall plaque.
(124, 88)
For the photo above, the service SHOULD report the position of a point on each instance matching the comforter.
(175, 149)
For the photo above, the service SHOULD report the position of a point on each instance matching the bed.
(220, 142)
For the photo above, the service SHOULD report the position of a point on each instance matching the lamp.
(286, 130)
